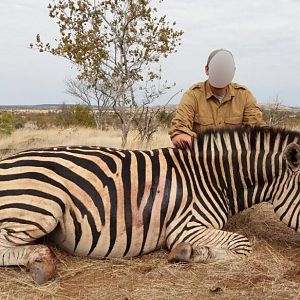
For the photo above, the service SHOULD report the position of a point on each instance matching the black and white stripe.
(104, 202)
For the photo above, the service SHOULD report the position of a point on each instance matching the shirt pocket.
(234, 121)
(201, 123)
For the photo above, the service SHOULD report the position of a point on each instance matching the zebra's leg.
(16, 249)
(209, 245)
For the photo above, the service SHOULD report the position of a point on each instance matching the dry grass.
(30, 138)
(271, 272)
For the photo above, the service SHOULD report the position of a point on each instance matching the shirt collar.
(229, 92)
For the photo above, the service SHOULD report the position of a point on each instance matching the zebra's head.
(287, 200)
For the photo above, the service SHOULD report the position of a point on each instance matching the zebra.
(105, 203)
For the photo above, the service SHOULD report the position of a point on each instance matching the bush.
(75, 116)
(7, 123)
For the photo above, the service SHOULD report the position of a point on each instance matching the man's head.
(220, 68)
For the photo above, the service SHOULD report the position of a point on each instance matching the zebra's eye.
(292, 155)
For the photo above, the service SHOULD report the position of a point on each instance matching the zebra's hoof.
(181, 253)
(42, 270)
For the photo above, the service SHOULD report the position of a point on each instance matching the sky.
(264, 37)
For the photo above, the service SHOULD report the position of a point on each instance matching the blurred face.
(221, 69)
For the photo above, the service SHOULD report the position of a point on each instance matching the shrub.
(75, 116)
(7, 123)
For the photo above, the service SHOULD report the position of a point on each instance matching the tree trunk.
(125, 131)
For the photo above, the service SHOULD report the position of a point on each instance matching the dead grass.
(31, 138)
(271, 272)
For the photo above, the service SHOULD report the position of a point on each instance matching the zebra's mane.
(252, 133)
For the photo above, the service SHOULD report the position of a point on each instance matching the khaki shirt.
(199, 109)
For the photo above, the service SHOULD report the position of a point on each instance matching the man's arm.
(184, 117)
(182, 124)
(252, 114)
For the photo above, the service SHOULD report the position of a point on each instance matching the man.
(217, 102)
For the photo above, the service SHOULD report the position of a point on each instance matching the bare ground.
(271, 272)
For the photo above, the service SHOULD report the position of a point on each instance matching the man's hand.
(182, 141)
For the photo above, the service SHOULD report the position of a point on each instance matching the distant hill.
(46, 107)
(31, 107)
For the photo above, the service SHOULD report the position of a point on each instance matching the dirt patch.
(293, 274)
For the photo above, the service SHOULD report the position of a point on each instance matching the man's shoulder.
(239, 86)
(197, 86)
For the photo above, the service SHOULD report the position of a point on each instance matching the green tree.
(117, 46)
(7, 123)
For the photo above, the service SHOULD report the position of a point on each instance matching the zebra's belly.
(108, 242)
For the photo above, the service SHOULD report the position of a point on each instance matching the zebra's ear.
(292, 155)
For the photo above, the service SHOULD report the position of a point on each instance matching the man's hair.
(213, 53)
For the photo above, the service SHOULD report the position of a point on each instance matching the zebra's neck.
(244, 167)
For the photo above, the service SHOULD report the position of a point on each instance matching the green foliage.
(117, 47)
(68, 116)
(112, 41)
(7, 123)
(75, 116)
(44, 120)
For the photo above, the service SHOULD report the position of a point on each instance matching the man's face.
(221, 69)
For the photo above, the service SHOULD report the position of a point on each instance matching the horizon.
(47, 105)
